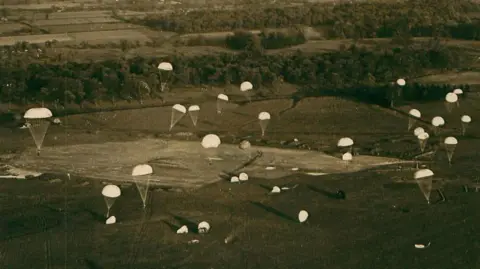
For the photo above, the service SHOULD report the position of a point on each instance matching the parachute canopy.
(438, 121)
(418, 131)
(211, 141)
(142, 170)
(246, 86)
(302, 216)
(451, 97)
(264, 116)
(423, 173)
(401, 82)
(458, 91)
(222, 97)
(193, 108)
(466, 119)
(244, 144)
(451, 141)
(38, 113)
(345, 142)
(165, 66)
(111, 191)
(347, 156)
(234, 179)
(415, 113)
(275, 189)
(243, 177)
(423, 136)
(203, 227)
(179, 108)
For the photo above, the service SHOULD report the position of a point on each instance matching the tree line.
(345, 20)
(126, 79)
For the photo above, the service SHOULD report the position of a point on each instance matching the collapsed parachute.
(38, 121)
(141, 176)
(178, 111)
(165, 71)
(110, 194)
(424, 180)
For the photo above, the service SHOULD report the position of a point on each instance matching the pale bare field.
(34, 39)
(58, 29)
(453, 78)
(42, 6)
(74, 20)
(101, 37)
(180, 163)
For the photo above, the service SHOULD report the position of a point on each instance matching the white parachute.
(203, 227)
(424, 180)
(141, 176)
(264, 119)
(458, 92)
(345, 142)
(246, 88)
(450, 100)
(210, 143)
(465, 122)
(401, 82)
(436, 123)
(38, 121)
(222, 100)
(245, 144)
(110, 194)
(194, 111)
(418, 131)
(450, 145)
(165, 71)
(303, 216)
(414, 115)
(275, 189)
(422, 140)
(243, 177)
(347, 158)
(234, 179)
(178, 111)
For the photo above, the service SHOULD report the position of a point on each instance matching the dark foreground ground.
(376, 227)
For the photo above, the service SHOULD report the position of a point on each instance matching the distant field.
(101, 37)
(472, 78)
(73, 20)
(58, 29)
(10, 27)
(34, 39)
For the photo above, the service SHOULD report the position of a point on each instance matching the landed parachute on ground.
(165, 71)
(178, 111)
(264, 119)
(38, 121)
(450, 100)
(450, 145)
(194, 111)
(246, 88)
(424, 180)
(110, 194)
(414, 115)
(436, 123)
(222, 100)
(465, 122)
(141, 176)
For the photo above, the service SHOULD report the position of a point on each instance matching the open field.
(59, 29)
(34, 39)
(375, 227)
(11, 27)
(74, 21)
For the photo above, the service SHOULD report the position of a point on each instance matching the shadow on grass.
(91, 264)
(192, 226)
(263, 186)
(273, 211)
(95, 215)
(328, 194)
(172, 226)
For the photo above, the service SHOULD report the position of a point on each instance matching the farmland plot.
(11, 27)
(74, 20)
(58, 29)
(34, 39)
(102, 37)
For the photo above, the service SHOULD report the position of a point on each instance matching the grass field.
(74, 21)
(375, 227)
(58, 29)
(11, 27)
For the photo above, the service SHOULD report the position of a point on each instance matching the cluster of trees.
(114, 79)
(272, 39)
(359, 19)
